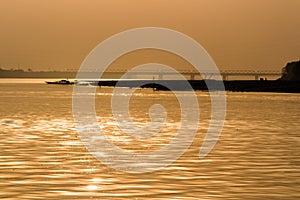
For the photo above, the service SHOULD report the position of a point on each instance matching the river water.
(257, 155)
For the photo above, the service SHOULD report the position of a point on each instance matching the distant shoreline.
(276, 86)
(235, 86)
(33, 74)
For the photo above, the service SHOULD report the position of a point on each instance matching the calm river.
(257, 155)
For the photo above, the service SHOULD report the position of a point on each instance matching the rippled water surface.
(257, 155)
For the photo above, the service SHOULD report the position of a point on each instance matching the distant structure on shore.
(291, 72)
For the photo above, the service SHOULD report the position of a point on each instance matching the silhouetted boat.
(61, 82)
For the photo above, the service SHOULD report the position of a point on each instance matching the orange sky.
(58, 34)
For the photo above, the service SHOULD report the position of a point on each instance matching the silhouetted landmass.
(19, 73)
(291, 72)
(289, 82)
(235, 86)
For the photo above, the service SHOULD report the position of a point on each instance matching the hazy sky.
(58, 34)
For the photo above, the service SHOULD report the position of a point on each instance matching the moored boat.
(61, 82)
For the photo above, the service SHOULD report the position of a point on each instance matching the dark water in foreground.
(41, 157)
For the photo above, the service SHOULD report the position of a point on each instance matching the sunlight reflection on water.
(257, 155)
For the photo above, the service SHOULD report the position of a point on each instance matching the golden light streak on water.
(41, 157)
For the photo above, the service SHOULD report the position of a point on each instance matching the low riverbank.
(238, 85)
